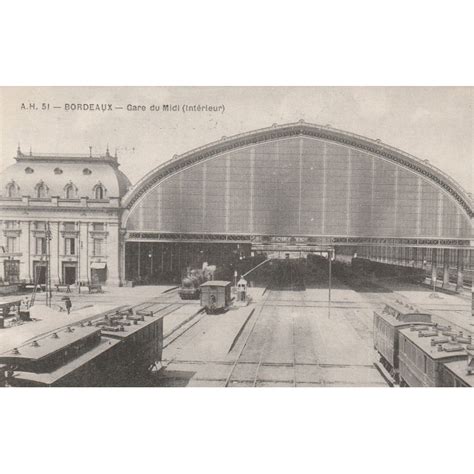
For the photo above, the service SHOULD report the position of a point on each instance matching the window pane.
(97, 246)
(11, 244)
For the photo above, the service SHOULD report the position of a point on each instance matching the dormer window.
(99, 191)
(70, 191)
(86, 171)
(12, 189)
(29, 170)
(58, 171)
(41, 190)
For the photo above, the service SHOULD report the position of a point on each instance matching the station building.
(288, 188)
(61, 214)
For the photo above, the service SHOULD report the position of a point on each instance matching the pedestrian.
(24, 311)
(68, 304)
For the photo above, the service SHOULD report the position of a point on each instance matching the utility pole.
(330, 282)
(48, 267)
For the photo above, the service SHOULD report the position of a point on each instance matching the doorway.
(98, 273)
(39, 272)
(69, 273)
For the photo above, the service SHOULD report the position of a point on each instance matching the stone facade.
(64, 210)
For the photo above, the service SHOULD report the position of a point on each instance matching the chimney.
(440, 347)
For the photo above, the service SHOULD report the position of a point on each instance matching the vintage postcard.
(236, 237)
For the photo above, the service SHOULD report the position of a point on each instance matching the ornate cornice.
(179, 163)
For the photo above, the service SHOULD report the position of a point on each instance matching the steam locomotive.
(190, 284)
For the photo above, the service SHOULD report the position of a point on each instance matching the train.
(363, 268)
(191, 284)
(417, 352)
(225, 271)
(216, 296)
(110, 349)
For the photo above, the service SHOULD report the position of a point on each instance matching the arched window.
(99, 192)
(41, 190)
(70, 191)
(12, 189)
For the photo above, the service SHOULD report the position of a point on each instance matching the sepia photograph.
(274, 198)
(236, 237)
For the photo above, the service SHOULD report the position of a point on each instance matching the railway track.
(235, 364)
(293, 282)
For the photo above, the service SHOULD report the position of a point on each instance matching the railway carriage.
(425, 354)
(216, 296)
(459, 373)
(104, 350)
(387, 324)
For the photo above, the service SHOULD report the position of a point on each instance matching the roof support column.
(460, 269)
(445, 268)
(434, 268)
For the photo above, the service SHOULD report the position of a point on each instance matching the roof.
(216, 283)
(431, 338)
(398, 314)
(459, 369)
(48, 322)
(301, 128)
(8, 300)
(48, 378)
(48, 344)
(57, 171)
(409, 319)
(403, 308)
(127, 326)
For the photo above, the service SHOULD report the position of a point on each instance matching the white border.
(242, 43)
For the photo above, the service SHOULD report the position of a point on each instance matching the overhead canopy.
(299, 179)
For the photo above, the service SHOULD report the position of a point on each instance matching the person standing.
(24, 311)
(68, 304)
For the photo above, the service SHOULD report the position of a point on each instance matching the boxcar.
(215, 295)
(387, 324)
(425, 352)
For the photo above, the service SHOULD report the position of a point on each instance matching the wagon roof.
(216, 283)
(406, 320)
(459, 369)
(48, 344)
(48, 378)
(424, 343)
